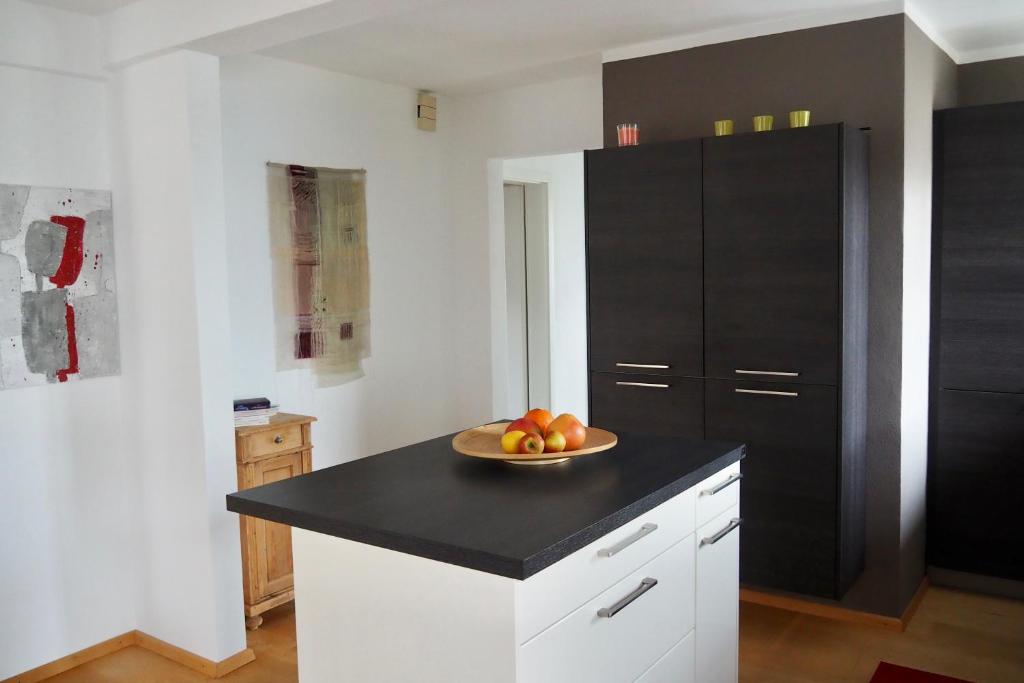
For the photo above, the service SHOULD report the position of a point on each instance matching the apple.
(524, 425)
(571, 428)
(510, 441)
(531, 444)
(540, 416)
(554, 442)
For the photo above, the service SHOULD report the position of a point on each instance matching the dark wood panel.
(976, 478)
(979, 184)
(675, 410)
(772, 254)
(644, 259)
(789, 503)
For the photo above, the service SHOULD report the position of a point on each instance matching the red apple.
(524, 425)
(554, 442)
(531, 444)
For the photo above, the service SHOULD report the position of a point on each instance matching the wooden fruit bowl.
(485, 442)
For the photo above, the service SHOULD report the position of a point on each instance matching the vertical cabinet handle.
(715, 538)
(645, 585)
(628, 541)
(728, 482)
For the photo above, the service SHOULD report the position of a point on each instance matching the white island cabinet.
(655, 600)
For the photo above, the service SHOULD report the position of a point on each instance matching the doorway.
(528, 294)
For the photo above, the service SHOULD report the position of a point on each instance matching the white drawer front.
(549, 595)
(611, 649)
(717, 493)
(675, 667)
(718, 599)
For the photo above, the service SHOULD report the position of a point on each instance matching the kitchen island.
(420, 564)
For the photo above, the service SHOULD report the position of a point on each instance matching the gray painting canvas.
(58, 300)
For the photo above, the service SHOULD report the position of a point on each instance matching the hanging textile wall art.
(321, 270)
(58, 301)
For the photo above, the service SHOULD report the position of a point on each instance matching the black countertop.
(510, 520)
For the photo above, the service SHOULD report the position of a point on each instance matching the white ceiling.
(86, 6)
(470, 45)
(457, 46)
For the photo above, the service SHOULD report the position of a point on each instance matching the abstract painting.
(58, 302)
(321, 270)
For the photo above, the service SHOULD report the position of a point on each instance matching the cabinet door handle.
(278, 439)
(763, 392)
(651, 366)
(645, 585)
(644, 384)
(711, 540)
(776, 373)
(728, 482)
(628, 541)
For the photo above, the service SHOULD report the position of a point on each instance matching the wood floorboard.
(979, 638)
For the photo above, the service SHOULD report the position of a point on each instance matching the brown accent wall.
(998, 80)
(852, 72)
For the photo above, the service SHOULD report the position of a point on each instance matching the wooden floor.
(973, 637)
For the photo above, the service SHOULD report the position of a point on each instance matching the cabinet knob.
(278, 439)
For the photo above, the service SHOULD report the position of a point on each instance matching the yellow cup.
(799, 119)
(723, 127)
(763, 123)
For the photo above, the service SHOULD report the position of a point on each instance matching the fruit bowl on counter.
(537, 438)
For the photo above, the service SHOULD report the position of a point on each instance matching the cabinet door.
(789, 536)
(771, 255)
(644, 259)
(976, 480)
(718, 599)
(273, 540)
(980, 213)
(645, 404)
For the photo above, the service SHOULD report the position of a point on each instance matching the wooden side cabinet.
(265, 454)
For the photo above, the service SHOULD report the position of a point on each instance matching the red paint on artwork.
(72, 369)
(71, 261)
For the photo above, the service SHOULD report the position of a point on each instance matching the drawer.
(286, 438)
(645, 404)
(549, 595)
(676, 666)
(717, 493)
(588, 646)
(718, 599)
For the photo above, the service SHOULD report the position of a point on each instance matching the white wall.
(567, 281)
(929, 84)
(542, 119)
(168, 175)
(66, 579)
(284, 112)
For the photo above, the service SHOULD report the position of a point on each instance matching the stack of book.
(250, 412)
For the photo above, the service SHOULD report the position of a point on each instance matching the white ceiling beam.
(150, 27)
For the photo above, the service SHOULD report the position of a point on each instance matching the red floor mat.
(890, 673)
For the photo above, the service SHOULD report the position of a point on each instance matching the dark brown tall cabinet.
(976, 460)
(762, 256)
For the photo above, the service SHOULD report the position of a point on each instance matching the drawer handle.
(711, 540)
(728, 482)
(775, 373)
(650, 366)
(278, 439)
(647, 385)
(628, 541)
(645, 585)
(763, 392)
